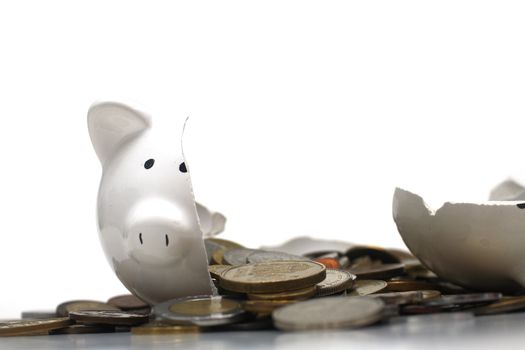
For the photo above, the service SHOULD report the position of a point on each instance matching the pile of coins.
(260, 290)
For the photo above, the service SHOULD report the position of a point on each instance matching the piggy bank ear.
(110, 124)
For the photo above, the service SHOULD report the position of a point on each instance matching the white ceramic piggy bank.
(147, 217)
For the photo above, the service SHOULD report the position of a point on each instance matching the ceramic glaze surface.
(147, 217)
(476, 245)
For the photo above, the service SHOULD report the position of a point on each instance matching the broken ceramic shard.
(508, 190)
(475, 245)
(150, 227)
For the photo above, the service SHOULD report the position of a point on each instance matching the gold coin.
(298, 294)
(366, 287)
(23, 327)
(506, 304)
(204, 307)
(216, 270)
(272, 277)
(430, 294)
(160, 328)
(105, 317)
(65, 308)
(218, 256)
(265, 306)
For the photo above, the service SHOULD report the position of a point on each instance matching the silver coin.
(458, 299)
(366, 287)
(263, 256)
(237, 256)
(329, 313)
(336, 281)
(200, 311)
(38, 314)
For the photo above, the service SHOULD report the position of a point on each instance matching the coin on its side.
(237, 256)
(298, 294)
(272, 277)
(267, 256)
(127, 302)
(458, 299)
(404, 285)
(105, 317)
(383, 271)
(22, 327)
(216, 270)
(83, 329)
(506, 304)
(154, 328)
(335, 282)
(366, 287)
(200, 311)
(329, 313)
(65, 308)
(38, 314)
(400, 298)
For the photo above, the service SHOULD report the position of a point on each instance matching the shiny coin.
(506, 304)
(366, 287)
(200, 311)
(265, 306)
(329, 313)
(105, 317)
(127, 302)
(216, 270)
(383, 271)
(272, 277)
(298, 294)
(83, 329)
(237, 256)
(65, 308)
(38, 315)
(22, 327)
(154, 328)
(336, 281)
(263, 256)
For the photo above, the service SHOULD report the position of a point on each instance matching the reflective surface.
(426, 332)
(476, 245)
(147, 216)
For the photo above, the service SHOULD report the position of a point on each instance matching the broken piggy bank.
(475, 245)
(150, 227)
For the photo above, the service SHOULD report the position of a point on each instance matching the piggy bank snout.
(156, 238)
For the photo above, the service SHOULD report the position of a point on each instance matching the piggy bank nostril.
(167, 240)
(140, 238)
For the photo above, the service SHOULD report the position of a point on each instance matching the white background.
(304, 117)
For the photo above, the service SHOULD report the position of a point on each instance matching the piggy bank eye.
(149, 163)
(182, 167)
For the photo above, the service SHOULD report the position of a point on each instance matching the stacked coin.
(260, 289)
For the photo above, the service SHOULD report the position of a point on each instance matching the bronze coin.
(104, 317)
(272, 277)
(127, 302)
